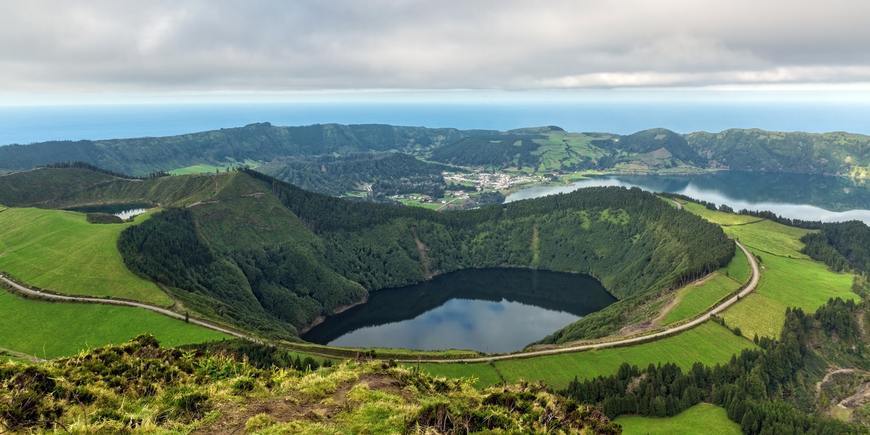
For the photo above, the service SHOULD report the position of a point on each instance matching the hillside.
(553, 149)
(769, 151)
(543, 149)
(62, 251)
(265, 255)
(260, 142)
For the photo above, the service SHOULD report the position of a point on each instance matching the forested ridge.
(266, 255)
(261, 142)
(545, 149)
(384, 173)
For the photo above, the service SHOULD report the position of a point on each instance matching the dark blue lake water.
(490, 310)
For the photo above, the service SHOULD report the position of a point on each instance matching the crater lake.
(489, 310)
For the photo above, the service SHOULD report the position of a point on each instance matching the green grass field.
(414, 203)
(770, 237)
(738, 268)
(709, 343)
(702, 418)
(788, 277)
(786, 282)
(49, 330)
(717, 217)
(560, 150)
(210, 169)
(60, 251)
(697, 298)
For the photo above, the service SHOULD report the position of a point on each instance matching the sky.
(68, 51)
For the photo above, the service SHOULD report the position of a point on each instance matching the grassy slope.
(204, 168)
(414, 203)
(788, 277)
(738, 269)
(62, 252)
(48, 330)
(702, 418)
(562, 150)
(786, 282)
(770, 237)
(718, 217)
(709, 343)
(697, 298)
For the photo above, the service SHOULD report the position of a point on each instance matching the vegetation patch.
(701, 296)
(697, 298)
(770, 237)
(204, 168)
(701, 418)
(51, 329)
(139, 386)
(715, 216)
(62, 252)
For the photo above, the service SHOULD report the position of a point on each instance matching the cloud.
(199, 45)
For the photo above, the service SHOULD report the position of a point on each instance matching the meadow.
(788, 277)
(415, 203)
(770, 237)
(702, 418)
(699, 297)
(205, 168)
(49, 330)
(709, 343)
(786, 282)
(60, 251)
(562, 150)
(719, 217)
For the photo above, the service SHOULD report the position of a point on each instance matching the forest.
(386, 173)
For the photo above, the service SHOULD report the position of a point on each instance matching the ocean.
(29, 124)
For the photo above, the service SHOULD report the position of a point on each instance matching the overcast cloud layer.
(136, 46)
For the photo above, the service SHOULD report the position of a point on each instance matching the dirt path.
(828, 376)
(753, 282)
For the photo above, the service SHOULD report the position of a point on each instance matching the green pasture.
(60, 251)
(702, 419)
(53, 329)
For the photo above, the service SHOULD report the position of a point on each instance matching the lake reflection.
(796, 196)
(490, 310)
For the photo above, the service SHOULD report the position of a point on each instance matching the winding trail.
(748, 288)
(39, 294)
